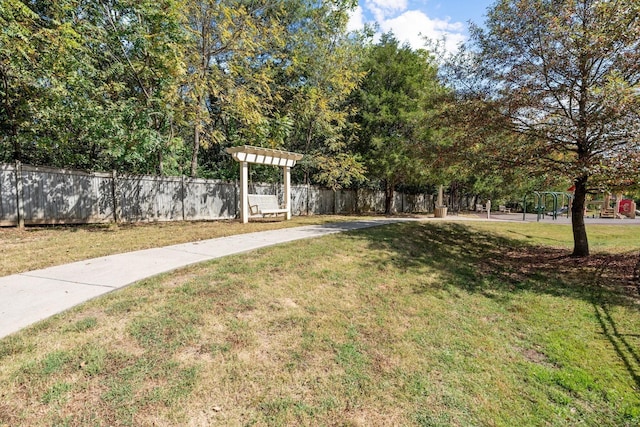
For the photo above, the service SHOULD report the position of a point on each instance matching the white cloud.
(409, 26)
(381, 9)
(412, 26)
(390, 4)
(356, 20)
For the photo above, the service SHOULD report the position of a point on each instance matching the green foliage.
(393, 110)
(101, 85)
(323, 72)
(564, 74)
(20, 32)
(137, 58)
(165, 86)
(230, 53)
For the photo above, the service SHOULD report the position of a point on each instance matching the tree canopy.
(564, 76)
(164, 86)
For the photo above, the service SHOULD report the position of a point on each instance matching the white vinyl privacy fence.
(39, 195)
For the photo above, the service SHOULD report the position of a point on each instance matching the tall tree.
(20, 28)
(273, 73)
(233, 46)
(139, 59)
(91, 84)
(322, 70)
(565, 75)
(394, 105)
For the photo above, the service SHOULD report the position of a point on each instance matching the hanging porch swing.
(262, 204)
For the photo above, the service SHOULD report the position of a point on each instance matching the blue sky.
(408, 19)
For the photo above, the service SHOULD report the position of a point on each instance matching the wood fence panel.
(8, 195)
(299, 200)
(54, 196)
(370, 201)
(313, 201)
(417, 203)
(321, 201)
(149, 198)
(265, 188)
(345, 201)
(398, 202)
(58, 196)
(206, 199)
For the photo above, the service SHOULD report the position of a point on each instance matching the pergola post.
(244, 190)
(287, 190)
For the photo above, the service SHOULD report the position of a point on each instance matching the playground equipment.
(621, 207)
(626, 207)
(614, 206)
(540, 200)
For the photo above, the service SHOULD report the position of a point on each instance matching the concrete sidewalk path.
(36, 295)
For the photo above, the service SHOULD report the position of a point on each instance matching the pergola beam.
(264, 156)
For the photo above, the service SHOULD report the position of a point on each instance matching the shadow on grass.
(499, 268)
(625, 351)
(478, 261)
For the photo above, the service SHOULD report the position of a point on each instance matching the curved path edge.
(27, 298)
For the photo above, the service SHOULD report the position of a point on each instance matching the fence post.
(19, 195)
(356, 204)
(183, 196)
(114, 177)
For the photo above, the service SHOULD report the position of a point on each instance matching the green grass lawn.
(428, 324)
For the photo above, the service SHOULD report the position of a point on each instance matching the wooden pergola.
(246, 154)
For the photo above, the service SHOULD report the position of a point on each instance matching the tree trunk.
(580, 242)
(196, 148)
(388, 198)
(160, 167)
(9, 111)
